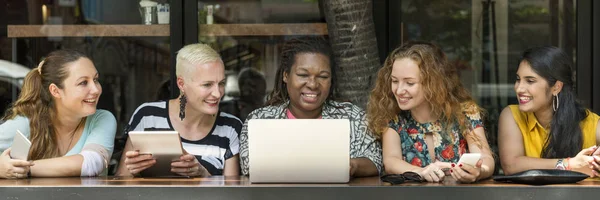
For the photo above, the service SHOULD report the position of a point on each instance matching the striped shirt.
(220, 144)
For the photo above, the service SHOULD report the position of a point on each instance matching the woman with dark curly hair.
(425, 117)
(305, 89)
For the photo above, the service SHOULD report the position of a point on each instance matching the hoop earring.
(182, 102)
(555, 107)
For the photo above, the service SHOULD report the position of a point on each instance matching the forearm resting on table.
(122, 167)
(58, 167)
(364, 167)
(92, 160)
(521, 163)
(396, 165)
(487, 168)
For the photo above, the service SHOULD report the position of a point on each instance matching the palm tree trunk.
(352, 36)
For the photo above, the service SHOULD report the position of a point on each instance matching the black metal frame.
(395, 31)
(588, 53)
(184, 30)
(388, 26)
(176, 40)
(596, 57)
(380, 19)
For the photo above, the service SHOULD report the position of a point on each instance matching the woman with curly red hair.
(425, 118)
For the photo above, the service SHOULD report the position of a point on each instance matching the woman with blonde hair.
(425, 117)
(57, 111)
(208, 136)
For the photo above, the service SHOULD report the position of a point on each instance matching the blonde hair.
(194, 54)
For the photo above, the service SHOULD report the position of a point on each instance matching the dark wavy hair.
(290, 49)
(565, 137)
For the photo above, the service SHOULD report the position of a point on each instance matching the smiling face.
(533, 91)
(308, 83)
(204, 87)
(81, 89)
(406, 85)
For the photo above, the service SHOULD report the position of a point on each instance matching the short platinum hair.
(194, 54)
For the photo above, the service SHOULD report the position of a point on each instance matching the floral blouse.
(447, 149)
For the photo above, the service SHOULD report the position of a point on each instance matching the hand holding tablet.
(163, 146)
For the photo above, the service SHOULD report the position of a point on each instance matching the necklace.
(66, 149)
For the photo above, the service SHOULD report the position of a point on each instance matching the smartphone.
(20, 147)
(597, 152)
(470, 158)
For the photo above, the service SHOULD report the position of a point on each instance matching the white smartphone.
(20, 146)
(470, 158)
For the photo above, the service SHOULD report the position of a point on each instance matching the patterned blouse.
(363, 143)
(447, 149)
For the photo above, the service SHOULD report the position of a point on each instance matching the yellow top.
(534, 135)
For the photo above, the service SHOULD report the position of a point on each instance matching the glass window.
(129, 48)
(248, 35)
(9, 91)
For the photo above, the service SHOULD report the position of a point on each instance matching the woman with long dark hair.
(549, 128)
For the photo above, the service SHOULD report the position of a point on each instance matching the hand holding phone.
(20, 147)
(470, 158)
(596, 152)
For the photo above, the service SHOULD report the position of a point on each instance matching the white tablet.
(20, 147)
(164, 146)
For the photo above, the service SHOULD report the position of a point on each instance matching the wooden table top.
(219, 187)
(243, 181)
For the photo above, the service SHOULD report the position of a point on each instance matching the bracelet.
(567, 166)
(560, 164)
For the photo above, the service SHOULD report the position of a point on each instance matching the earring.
(182, 102)
(555, 107)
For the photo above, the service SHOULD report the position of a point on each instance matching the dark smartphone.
(597, 152)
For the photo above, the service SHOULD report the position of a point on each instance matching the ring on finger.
(435, 171)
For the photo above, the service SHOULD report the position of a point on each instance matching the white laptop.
(299, 150)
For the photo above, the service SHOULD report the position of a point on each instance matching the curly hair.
(443, 90)
(289, 51)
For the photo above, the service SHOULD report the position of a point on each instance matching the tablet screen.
(164, 146)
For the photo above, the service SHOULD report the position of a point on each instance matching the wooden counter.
(162, 30)
(219, 187)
